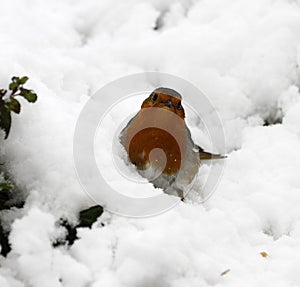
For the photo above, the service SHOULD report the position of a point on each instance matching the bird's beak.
(168, 104)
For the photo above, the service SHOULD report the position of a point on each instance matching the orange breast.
(156, 130)
(147, 140)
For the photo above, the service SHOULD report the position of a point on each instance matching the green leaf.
(6, 185)
(13, 86)
(5, 120)
(14, 105)
(17, 82)
(23, 80)
(29, 95)
(88, 216)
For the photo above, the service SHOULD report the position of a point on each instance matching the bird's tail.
(208, 156)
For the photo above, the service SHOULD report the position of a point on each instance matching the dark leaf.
(225, 272)
(4, 196)
(5, 120)
(29, 95)
(88, 216)
(2, 93)
(5, 246)
(14, 105)
(70, 237)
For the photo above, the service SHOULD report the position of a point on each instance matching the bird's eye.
(179, 106)
(153, 97)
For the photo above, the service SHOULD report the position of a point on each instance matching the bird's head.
(165, 98)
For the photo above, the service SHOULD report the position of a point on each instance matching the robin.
(159, 143)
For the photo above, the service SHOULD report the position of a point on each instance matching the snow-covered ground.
(244, 55)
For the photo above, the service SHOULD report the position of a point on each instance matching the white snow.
(245, 57)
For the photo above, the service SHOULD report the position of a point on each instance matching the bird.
(159, 143)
